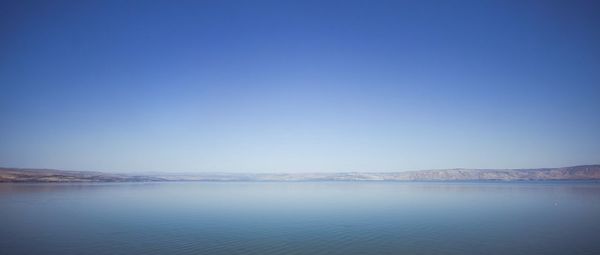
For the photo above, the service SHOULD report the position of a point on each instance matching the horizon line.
(296, 172)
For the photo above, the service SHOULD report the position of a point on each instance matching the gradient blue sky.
(291, 86)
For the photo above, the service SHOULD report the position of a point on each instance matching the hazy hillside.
(51, 175)
(589, 172)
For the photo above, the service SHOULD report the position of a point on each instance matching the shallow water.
(300, 218)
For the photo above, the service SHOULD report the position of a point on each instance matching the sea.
(310, 218)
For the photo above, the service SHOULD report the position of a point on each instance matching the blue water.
(300, 218)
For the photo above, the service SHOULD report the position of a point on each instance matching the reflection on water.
(300, 218)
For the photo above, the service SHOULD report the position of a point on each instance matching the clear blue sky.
(292, 86)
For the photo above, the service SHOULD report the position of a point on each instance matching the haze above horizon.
(307, 86)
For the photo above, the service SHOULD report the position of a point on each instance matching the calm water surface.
(300, 218)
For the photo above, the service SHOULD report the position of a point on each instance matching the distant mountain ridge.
(584, 172)
(53, 175)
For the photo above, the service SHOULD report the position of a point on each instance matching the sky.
(298, 86)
